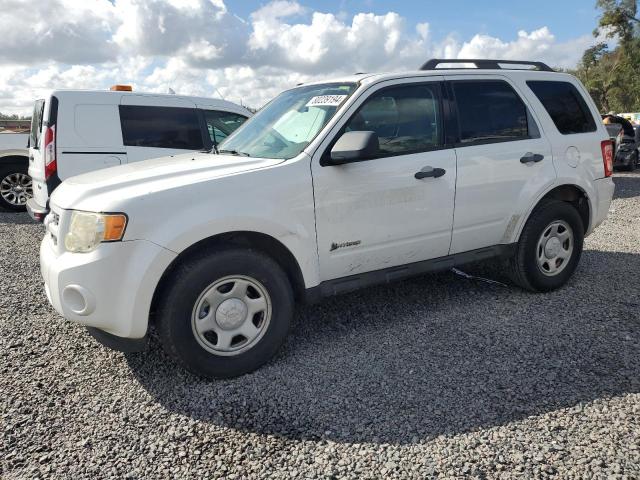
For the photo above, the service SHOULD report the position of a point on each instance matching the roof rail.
(484, 64)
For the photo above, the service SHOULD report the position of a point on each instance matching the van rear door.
(42, 152)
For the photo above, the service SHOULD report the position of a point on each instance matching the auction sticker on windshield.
(326, 101)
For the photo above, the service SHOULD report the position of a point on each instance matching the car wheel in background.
(549, 247)
(16, 187)
(226, 313)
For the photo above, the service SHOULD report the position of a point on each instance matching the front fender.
(277, 202)
(296, 237)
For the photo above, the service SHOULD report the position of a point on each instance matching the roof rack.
(484, 64)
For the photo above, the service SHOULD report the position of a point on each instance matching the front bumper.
(110, 288)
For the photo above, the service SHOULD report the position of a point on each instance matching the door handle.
(531, 158)
(430, 172)
(112, 161)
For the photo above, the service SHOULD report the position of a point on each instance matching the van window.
(489, 111)
(221, 124)
(160, 127)
(406, 119)
(36, 124)
(565, 106)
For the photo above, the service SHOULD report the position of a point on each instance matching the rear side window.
(565, 106)
(36, 124)
(406, 119)
(489, 111)
(222, 124)
(160, 127)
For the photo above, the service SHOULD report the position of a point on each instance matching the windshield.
(284, 127)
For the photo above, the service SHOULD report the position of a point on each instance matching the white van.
(77, 131)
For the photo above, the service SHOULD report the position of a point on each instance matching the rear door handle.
(531, 158)
(430, 172)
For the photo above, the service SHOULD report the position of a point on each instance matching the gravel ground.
(436, 376)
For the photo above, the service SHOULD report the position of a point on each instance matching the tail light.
(50, 164)
(607, 157)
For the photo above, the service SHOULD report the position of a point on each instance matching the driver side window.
(406, 119)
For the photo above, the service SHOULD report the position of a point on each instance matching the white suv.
(78, 131)
(331, 187)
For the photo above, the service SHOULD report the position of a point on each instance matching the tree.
(13, 116)
(619, 19)
(612, 76)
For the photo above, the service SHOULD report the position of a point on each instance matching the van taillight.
(607, 157)
(50, 165)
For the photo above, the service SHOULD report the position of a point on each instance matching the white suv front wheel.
(549, 248)
(226, 313)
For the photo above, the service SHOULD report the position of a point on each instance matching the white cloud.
(539, 44)
(68, 31)
(200, 47)
(201, 31)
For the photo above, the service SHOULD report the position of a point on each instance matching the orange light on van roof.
(121, 88)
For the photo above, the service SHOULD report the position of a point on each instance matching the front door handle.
(430, 172)
(531, 158)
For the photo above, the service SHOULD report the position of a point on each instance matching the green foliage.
(613, 76)
(618, 19)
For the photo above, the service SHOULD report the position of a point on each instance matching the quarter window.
(406, 119)
(160, 127)
(489, 111)
(565, 106)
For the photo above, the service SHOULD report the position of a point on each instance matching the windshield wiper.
(213, 149)
(234, 152)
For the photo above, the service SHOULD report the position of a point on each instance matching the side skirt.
(338, 286)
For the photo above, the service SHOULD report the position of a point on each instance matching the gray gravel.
(436, 376)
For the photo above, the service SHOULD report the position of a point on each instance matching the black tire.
(6, 170)
(194, 277)
(523, 266)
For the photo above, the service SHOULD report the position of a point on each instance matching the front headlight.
(88, 230)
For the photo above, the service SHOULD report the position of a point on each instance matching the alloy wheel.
(16, 188)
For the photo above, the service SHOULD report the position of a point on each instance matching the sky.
(248, 51)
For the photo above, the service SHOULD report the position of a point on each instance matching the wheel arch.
(570, 193)
(13, 158)
(246, 239)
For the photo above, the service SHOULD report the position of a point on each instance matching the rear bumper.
(36, 211)
(604, 188)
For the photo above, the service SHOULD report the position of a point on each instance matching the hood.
(115, 184)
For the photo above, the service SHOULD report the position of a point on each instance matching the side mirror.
(354, 146)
